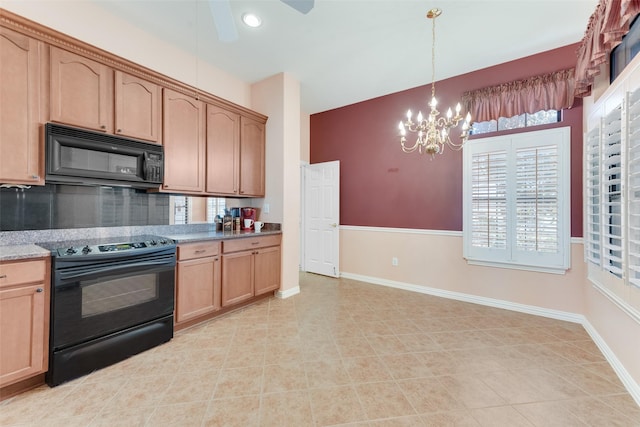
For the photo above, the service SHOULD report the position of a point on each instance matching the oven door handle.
(83, 273)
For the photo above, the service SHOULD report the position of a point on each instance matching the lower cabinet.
(198, 276)
(24, 319)
(251, 267)
(213, 275)
(237, 283)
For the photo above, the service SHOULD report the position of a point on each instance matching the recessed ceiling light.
(251, 20)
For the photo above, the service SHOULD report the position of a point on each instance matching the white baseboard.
(627, 380)
(507, 305)
(288, 292)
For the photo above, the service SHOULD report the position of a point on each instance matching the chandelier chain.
(433, 58)
(433, 131)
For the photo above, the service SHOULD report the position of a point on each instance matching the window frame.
(510, 257)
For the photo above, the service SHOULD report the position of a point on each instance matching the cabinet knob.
(118, 130)
(4, 276)
(35, 176)
(39, 290)
(199, 251)
(103, 127)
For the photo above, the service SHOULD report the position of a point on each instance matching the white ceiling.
(346, 51)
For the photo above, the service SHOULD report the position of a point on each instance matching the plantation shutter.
(211, 210)
(612, 192)
(592, 248)
(633, 208)
(489, 200)
(215, 206)
(537, 186)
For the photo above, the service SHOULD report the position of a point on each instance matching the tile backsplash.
(74, 206)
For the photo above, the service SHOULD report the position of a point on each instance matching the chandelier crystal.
(433, 132)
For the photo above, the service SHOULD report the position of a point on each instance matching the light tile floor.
(345, 352)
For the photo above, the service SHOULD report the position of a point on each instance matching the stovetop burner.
(105, 246)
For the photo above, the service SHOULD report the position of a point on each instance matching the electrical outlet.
(394, 261)
(265, 208)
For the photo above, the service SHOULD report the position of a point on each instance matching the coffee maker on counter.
(248, 213)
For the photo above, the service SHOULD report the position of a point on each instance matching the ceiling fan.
(225, 24)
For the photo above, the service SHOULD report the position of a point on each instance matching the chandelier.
(433, 131)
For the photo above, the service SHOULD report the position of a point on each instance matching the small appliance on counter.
(249, 213)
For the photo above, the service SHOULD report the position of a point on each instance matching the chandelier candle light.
(433, 131)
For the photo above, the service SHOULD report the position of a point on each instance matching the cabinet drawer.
(250, 243)
(16, 273)
(198, 250)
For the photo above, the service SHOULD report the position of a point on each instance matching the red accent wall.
(381, 186)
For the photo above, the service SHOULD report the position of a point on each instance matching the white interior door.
(322, 218)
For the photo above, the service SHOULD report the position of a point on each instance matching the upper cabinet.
(223, 151)
(81, 91)
(88, 94)
(252, 146)
(184, 143)
(235, 154)
(138, 108)
(21, 156)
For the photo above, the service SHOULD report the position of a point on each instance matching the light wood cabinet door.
(138, 107)
(252, 146)
(22, 333)
(184, 143)
(21, 155)
(266, 270)
(81, 91)
(198, 288)
(223, 151)
(237, 277)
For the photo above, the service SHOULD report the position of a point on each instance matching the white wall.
(305, 137)
(279, 98)
(434, 260)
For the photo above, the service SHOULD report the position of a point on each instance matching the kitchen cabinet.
(81, 91)
(267, 270)
(235, 154)
(184, 143)
(137, 107)
(198, 280)
(252, 161)
(250, 267)
(21, 156)
(223, 151)
(24, 319)
(91, 95)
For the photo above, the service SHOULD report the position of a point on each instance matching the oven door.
(91, 301)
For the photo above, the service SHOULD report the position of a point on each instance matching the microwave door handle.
(89, 272)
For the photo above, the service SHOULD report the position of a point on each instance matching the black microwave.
(82, 157)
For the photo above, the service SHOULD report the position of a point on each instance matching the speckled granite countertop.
(16, 245)
(219, 235)
(15, 252)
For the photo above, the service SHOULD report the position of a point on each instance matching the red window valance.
(553, 91)
(608, 24)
